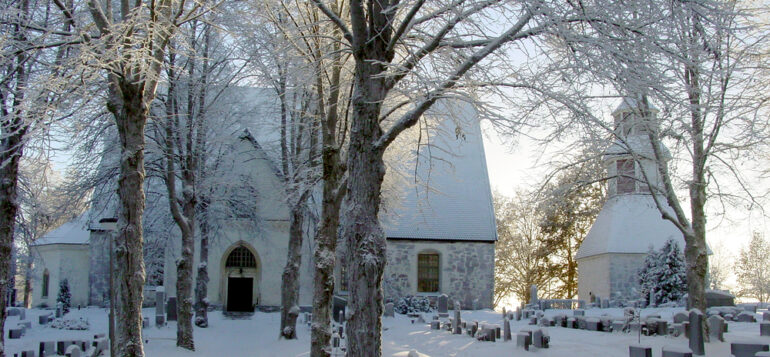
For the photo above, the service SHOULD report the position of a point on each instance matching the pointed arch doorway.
(241, 277)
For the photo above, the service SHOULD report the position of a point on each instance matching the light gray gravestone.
(59, 309)
(680, 317)
(605, 304)
(696, 333)
(652, 297)
(523, 340)
(443, 302)
(506, 330)
(160, 302)
(533, 294)
(456, 329)
(579, 312)
(73, 351)
(171, 308)
(618, 325)
(26, 324)
(593, 324)
(639, 351)
(539, 339)
(389, 310)
(764, 328)
(747, 349)
(716, 328)
(676, 351)
(22, 314)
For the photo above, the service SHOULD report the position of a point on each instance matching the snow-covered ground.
(258, 336)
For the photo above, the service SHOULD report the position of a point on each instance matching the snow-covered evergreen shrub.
(64, 296)
(70, 324)
(664, 271)
(412, 304)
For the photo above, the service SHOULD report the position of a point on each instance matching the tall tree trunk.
(290, 281)
(361, 230)
(202, 279)
(131, 118)
(28, 282)
(184, 271)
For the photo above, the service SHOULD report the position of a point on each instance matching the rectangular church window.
(427, 272)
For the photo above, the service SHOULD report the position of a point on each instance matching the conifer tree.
(64, 296)
(664, 272)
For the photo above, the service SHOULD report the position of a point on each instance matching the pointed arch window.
(241, 257)
(46, 281)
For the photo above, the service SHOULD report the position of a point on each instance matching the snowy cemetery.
(545, 327)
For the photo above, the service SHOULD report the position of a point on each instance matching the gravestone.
(15, 333)
(745, 317)
(747, 349)
(12, 311)
(661, 327)
(44, 319)
(474, 328)
(338, 309)
(443, 302)
(523, 340)
(533, 294)
(435, 325)
(696, 333)
(30, 353)
(593, 324)
(47, 348)
(579, 312)
(605, 304)
(171, 308)
(618, 326)
(716, 325)
(389, 312)
(73, 351)
(145, 322)
(26, 324)
(639, 351)
(506, 330)
(680, 317)
(766, 316)
(652, 297)
(456, 329)
(539, 339)
(59, 309)
(764, 328)
(22, 314)
(160, 301)
(675, 351)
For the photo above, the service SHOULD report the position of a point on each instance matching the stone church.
(439, 223)
(629, 223)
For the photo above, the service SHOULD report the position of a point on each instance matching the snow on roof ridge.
(75, 231)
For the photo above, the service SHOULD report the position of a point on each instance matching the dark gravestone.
(171, 308)
(435, 325)
(661, 328)
(474, 328)
(47, 348)
(639, 351)
(30, 353)
(745, 317)
(747, 349)
(15, 333)
(533, 294)
(766, 316)
(523, 340)
(506, 330)
(443, 305)
(456, 329)
(764, 328)
(593, 324)
(669, 351)
(716, 326)
(338, 308)
(696, 333)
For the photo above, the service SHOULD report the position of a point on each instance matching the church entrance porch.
(241, 278)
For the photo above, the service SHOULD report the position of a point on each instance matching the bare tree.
(753, 268)
(519, 259)
(397, 49)
(720, 266)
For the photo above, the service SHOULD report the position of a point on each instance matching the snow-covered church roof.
(448, 196)
(628, 224)
(73, 232)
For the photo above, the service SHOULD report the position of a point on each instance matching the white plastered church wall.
(62, 261)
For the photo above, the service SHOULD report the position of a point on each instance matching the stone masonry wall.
(624, 275)
(466, 270)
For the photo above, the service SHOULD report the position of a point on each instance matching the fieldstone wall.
(466, 270)
(624, 275)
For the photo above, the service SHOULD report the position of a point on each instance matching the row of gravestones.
(70, 348)
(490, 332)
(23, 325)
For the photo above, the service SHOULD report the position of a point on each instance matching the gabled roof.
(451, 199)
(73, 232)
